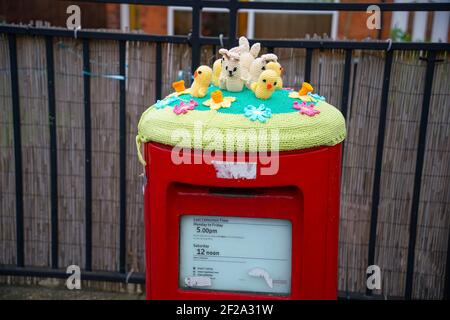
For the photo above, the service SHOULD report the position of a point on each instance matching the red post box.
(216, 236)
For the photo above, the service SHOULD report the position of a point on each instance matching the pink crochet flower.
(184, 107)
(306, 109)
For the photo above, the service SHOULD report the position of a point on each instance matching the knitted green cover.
(207, 129)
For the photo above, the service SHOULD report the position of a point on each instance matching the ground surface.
(13, 292)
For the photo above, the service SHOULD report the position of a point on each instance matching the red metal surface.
(305, 191)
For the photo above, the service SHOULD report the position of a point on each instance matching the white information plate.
(235, 254)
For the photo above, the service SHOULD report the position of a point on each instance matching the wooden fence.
(398, 164)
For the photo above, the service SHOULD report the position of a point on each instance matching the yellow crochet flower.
(302, 94)
(218, 101)
(295, 95)
(176, 94)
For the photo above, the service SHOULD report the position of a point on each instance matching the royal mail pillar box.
(242, 195)
(267, 237)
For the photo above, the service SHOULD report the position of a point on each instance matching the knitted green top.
(283, 122)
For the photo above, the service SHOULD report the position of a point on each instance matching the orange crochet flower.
(179, 86)
(302, 94)
(306, 87)
(218, 101)
(217, 96)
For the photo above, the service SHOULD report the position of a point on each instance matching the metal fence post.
(379, 160)
(428, 85)
(123, 157)
(53, 149)
(195, 34)
(87, 155)
(233, 6)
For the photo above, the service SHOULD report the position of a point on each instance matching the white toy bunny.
(230, 77)
(258, 66)
(247, 54)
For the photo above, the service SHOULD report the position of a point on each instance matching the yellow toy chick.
(202, 79)
(266, 85)
(275, 66)
(217, 68)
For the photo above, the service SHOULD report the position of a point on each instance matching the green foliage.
(398, 34)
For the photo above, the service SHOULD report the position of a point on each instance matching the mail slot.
(259, 237)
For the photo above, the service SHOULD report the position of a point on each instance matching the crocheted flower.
(218, 101)
(261, 113)
(305, 108)
(316, 96)
(303, 93)
(184, 107)
(179, 89)
(160, 104)
(306, 98)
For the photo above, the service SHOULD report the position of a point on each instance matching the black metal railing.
(196, 41)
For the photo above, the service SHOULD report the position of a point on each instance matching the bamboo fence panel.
(209, 54)
(175, 58)
(104, 60)
(7, 168)
(140, 92)
(293, 62)
(358, 171)
(327, 72)
(327, 69)
(68, 64)
(433, 225)
(34, 120)
(398, 169)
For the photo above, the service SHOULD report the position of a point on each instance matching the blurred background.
(262, 24)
